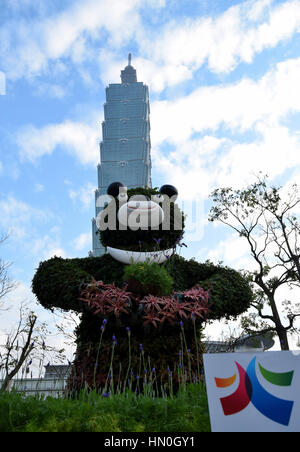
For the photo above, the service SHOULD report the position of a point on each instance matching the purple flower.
(141, 347)
(104, 322)
(157, 241)
(114, 338)
(153, 369)
(181, 323)
(106, 394)
(128, 329)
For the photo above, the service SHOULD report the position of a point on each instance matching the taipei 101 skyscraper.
(125, 147)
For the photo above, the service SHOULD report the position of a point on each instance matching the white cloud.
(190, 166)
(84, 195)
(52, 90)
(222, 42)
(237, 106)
(233, 251)
(38, 188)
(23, 223)
(55, 251)
(258, 9)
(276, 152)
(21, 296)
(27, 47)
(2, 84)
(170, 56)
(198, 166)
(46, 244)
(77, 138)
(257, 107)
(83, 241)
(16, 216)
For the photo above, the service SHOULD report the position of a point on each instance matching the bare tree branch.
(6, 285)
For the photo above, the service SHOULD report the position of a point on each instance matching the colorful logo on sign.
(251, 390)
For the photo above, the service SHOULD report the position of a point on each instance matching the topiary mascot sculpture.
(141, 305)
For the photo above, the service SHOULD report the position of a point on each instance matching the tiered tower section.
(125, 147)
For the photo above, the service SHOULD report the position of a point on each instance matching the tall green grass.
(187, 411)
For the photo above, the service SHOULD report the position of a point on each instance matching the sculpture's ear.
(114, 189)
(170, 191)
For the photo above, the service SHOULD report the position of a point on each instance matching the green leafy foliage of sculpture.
(165, 236)
(154, 321)
(148, 278)
(147, 311)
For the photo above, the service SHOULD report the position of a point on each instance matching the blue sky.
(224, 98)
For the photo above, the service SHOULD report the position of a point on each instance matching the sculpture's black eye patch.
(114, 189)
(169, 190)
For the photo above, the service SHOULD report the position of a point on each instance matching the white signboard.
(253, 392)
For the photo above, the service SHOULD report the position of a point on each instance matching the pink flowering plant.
(105, 300)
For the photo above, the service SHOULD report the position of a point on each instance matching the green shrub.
(126, 412)
(148, 278)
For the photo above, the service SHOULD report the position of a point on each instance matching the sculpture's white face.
(140, 221)
(140, 213)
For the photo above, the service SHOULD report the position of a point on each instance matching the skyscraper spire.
(128, 75)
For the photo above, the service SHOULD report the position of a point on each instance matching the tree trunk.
(282, 334)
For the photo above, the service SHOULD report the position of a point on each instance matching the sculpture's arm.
(57, 283)
(230, 294)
